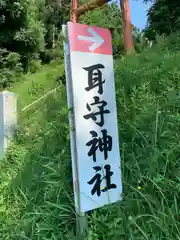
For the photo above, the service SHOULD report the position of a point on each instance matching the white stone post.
(8, 120)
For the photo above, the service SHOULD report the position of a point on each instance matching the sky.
(139, 13)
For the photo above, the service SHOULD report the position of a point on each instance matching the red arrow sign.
(92, 39)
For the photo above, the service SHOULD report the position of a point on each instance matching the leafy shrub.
(163, 18)
(34, 66)
(7, 77)
(171, 43)
(10, 60)
(51, 54)
(10, 67)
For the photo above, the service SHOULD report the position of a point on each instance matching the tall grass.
(36, 200)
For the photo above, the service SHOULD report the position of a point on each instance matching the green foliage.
(9, 60)
(163, 18)
(28, 28)
(170, 44)
(36, 181)
(21, 38)
(141, 42)
(53, 17)
(52, 54)
(10, 67)
(34, 66)
(108, 17)
(148, 118)
(21, 30)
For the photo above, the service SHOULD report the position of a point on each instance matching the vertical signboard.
(96, 157)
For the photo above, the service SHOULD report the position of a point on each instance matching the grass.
(36, 200)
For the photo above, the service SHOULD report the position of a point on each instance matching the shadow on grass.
(39, 197)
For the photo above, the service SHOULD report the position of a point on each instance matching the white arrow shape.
(96, 39)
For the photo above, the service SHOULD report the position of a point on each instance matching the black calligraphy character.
(98, 180)
(104, 144)
(101, 111)
(95, 77)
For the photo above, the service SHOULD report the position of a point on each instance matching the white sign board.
(96, 158)
(8, 120)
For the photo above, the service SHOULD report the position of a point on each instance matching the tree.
(21, 30)
(27, 28)
(54, 15)
(163, 18)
